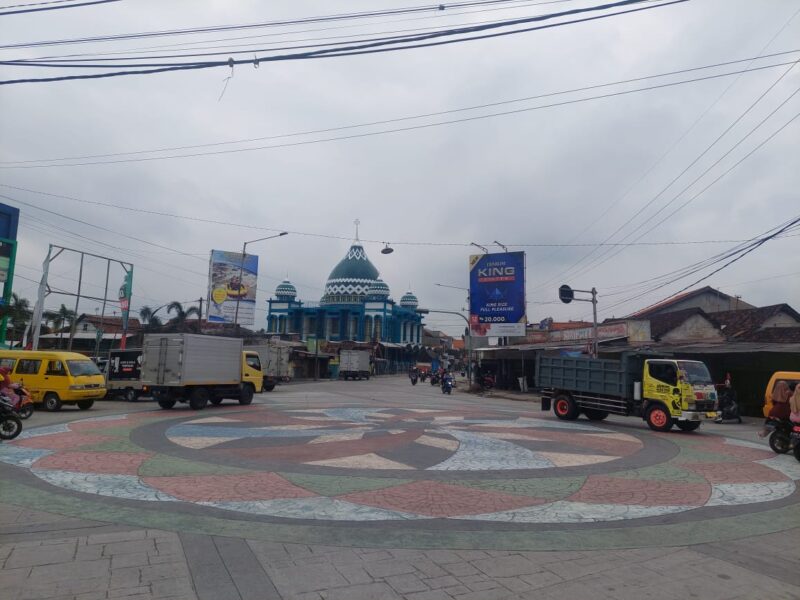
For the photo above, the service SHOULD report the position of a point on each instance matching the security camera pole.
(566, 294)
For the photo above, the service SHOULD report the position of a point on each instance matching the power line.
(683, 136)
(386, 45)
(264, 24)
(8, 164)
(398, 129)
(604, 257)
(340, 237)
(44, 8)
(196, 45)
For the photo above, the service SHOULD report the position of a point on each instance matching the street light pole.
(241, 270)
(469, 329)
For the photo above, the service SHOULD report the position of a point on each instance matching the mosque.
(356, 306)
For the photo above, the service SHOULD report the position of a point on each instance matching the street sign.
(566, 294)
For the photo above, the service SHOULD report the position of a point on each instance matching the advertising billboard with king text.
(497, 294)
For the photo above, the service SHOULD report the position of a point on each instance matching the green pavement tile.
(118, 445)
(332, 485)
(120, 431)
(688, 455)
(162, 465)
(664, 472)
(544, 487)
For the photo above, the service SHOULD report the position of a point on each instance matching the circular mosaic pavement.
(404, 466)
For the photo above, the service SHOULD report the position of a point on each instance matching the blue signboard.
(497, 294)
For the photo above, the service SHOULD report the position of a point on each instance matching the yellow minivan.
(55, 378)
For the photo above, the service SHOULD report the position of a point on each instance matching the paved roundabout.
(417, 477)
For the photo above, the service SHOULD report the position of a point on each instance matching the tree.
(179, 321)
(19, 314)
(60, 319)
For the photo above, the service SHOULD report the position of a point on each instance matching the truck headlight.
(77, 387)
(692, 406)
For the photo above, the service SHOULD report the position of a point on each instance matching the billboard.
(232, 280)
(497, 294)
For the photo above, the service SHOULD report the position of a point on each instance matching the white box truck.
(274, 363)
(354, 364)
(199, 369)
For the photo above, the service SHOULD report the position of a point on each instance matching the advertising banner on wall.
(231, 283)
(497, 294)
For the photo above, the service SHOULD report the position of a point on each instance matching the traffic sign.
(566, 294)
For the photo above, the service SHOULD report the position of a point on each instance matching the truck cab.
(677, 389)
(251, 370)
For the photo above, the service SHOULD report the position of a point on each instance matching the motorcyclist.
(728, 407)
(7, 387)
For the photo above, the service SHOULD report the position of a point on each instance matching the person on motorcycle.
(728, 408)
(7, 385)
(794, 405)
(781, 409)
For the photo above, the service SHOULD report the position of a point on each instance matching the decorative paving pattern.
(402, 465)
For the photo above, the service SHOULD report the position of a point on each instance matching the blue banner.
(497, 294)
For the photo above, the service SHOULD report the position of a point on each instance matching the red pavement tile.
(600, 489)
(720, 447)
(440, 500)
(82, 426)
(63, 441)
(210, 488)
(108, 463)
(746, 472)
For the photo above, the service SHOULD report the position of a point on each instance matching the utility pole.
(200, 317)
(566, 294)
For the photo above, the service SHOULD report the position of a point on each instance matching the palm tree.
(60, 319)
(145, 314)
(182, 315)
(20, 314)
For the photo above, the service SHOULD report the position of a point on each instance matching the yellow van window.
(55, 367)
(8, 363)
(253, 362)
(28, 366)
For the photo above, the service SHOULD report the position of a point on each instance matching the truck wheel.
(658, 419)
(129, 395)
(198, 399)
(268, 387)
(246, 396)
(565, 408)
(52, 402)
(166, 404)
(594, 414)
(688, 425)
(85, 404)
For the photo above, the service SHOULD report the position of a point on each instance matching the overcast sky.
(536, 177)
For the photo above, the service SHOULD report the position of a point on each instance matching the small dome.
(378, 289)
(409, 300)
(286, 291)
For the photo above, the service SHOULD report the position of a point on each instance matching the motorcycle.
(780, 438)
(447, 385)
(794, 440)
(23, 405)
(728, 407)
(423, 376)
(10, 423)
(486, 382)
(413, 380)
(434, 379)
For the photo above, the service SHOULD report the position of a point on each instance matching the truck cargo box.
(185, 359)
